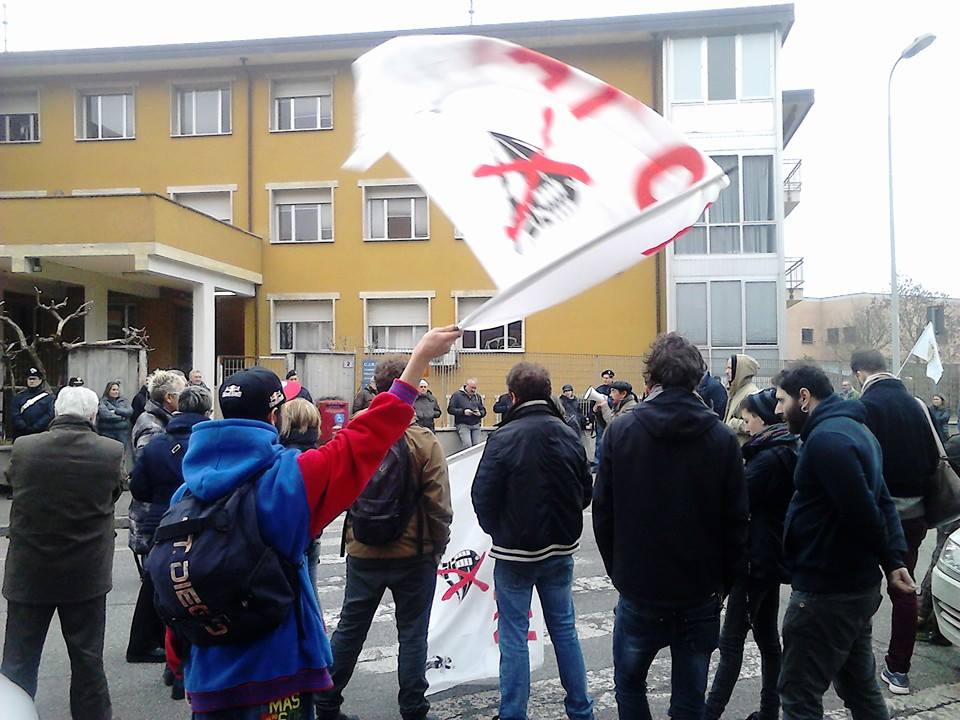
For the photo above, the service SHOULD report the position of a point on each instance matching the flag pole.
(904, 364)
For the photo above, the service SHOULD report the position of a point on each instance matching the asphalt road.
(138, 693)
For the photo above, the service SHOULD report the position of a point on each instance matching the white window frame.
(703, 222)
(5, 117)
(274, 210)
(174, 190)
(427, 295)
(743, 346)
(332, 298)
(459, 295)
(129, 93)
(89, 192)
(416, 194)
(273, 119)
(176, 124)
(738, 72)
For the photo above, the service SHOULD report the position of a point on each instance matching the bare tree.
(868, 326)
(21, 344)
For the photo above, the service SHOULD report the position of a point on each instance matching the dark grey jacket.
(65, 482)
(427, 409)
(459, 402)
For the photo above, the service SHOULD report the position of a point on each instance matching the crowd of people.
(706, 497)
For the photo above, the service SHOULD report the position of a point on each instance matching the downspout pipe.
(256, 292)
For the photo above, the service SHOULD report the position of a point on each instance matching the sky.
(843, 49)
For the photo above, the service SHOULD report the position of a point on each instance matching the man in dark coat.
(529, 493)
(841, 528)
(32, 408)
(910, 457)
(466, 407)
(426, 407)
(713, 394)
(61, 552)
(670, 520)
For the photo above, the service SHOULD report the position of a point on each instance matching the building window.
(304, 215)
(743, 218)
(850, 335)
(708, 69)
(202, 111)
(217, 204)
(721, 68)
(303, 325)
(19, 117)
(120, 315)
(728, 313)
(508, 336)
(107, 115)
(302, 104)
(395, 212)
(396, 324)
(692, 312)
(833, 336)
(760, 303)
(806, 336)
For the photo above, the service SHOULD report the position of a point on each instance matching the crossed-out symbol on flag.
(467, 577)
(532, 169)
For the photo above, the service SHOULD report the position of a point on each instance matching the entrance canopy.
(130, 244)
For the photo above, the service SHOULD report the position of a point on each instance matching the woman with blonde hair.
(299, 425)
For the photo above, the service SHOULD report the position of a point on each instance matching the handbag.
(941, 499)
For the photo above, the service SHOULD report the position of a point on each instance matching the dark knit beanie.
(764, 405)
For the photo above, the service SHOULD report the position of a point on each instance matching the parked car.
(946, 589)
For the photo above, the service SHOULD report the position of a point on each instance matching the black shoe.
(177, 691)
(168, 676)
(157, 655)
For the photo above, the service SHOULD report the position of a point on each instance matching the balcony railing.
(791, 180)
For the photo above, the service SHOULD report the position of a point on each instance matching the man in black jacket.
(529, 494)
(910, 457)
(841, 528)
(466, 408)
(32, 408)
(670, 520)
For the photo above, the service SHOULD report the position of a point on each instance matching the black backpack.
(383, 510)
(214, 578)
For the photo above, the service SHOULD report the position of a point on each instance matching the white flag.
(462, 640)
(557, 180)
(926, 349)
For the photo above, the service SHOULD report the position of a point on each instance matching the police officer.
(33, 407)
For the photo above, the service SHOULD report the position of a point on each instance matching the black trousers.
(753, 605)
(83, 626)
(827, 638)
(146, 627)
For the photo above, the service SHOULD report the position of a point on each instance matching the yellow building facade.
(197, 191)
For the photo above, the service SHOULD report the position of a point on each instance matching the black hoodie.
(670, 502)
(841, 525)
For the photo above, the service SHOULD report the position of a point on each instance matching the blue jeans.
(596, 445)
(641, 631)
(412, 582)
(469, 435)
(514, 582)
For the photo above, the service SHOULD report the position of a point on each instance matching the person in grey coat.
(60, 557)
(426, 407)
(113, 418)
(163, 396)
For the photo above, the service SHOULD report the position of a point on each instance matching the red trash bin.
(334, 414)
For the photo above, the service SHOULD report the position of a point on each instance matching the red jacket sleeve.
(335, 474)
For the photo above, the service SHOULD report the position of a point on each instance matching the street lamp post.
(919, 44)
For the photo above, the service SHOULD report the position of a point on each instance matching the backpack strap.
(184, 528)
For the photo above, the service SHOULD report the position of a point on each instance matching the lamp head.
(919, 44)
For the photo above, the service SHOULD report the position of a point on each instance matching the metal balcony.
(794, 280)
(791, 185)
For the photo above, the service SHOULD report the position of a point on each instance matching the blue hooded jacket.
(222, 456)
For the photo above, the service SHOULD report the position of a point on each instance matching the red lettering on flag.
(681, 156)
(531, 634)
(556, 71)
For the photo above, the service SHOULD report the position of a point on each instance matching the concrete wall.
(98, 366)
